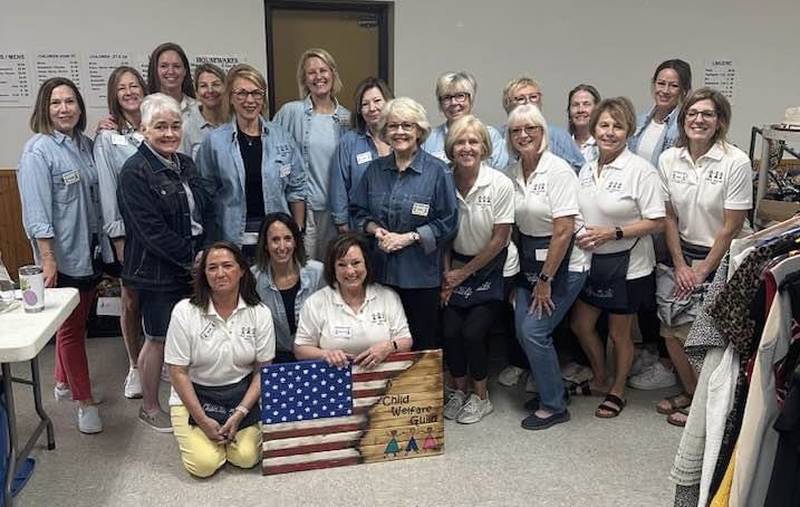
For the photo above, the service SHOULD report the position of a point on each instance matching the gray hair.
(407, 109)
(157, 104)
(527, 113)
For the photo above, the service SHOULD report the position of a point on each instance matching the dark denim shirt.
(423, 199)
(355, 152)
(159, 248)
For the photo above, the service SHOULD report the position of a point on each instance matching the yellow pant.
(202, 457)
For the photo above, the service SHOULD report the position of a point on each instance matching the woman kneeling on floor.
(216, 344)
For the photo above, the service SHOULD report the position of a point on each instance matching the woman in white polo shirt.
(352, 319)
(708, 191)
(552, 269)
(216, 344)
(621, 200)
(473, 286)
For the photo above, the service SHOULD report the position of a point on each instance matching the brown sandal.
(672, 404)
(679, 417)
(611, 407)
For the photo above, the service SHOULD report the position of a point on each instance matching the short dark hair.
(682, 68)
(621, 109)
(40, 119)
(721, 106)
(114, 108)
(362, 88)
(338, 248)
(247, 285)
(591, 90)
(262, 257)
(153, 84)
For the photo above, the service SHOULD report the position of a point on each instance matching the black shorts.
(641, 296)
(156, 308)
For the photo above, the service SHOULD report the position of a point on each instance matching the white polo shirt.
(218, 352)
(627, 190)
(327, 322)
(489, 202)
(701, 191)
(551, 192)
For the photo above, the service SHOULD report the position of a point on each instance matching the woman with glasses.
(316, 122)
(708, 191)
(407, 202)
(252, 166)
(209, 111)
(455, 94)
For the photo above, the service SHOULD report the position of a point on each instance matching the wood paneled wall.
(14, 244)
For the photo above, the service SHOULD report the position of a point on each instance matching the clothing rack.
(769, 133)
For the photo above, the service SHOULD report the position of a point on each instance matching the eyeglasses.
(528, 129)
(405, 126)
(691, 114)
(241, 94)
(532, 98)
(455, 98)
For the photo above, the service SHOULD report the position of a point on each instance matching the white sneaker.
(133, 384)
(644, 359)
(474, 409)
(576, 373)
(530, 385)
(657, 376)
(510, 376)
(89, 419)
(62, 393)
(454, 404)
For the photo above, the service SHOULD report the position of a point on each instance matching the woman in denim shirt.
(58, 187)
(162, 204)
(407, 201)
(250, 165)
(112, 148)
(358, 148)
(317, 123)
(455, 94)
(284, 278)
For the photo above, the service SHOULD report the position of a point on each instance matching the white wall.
(614, 44)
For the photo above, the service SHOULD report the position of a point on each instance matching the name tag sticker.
(441, 156)
(679, 176)
(342, 332)
(285, 170)
(71, 177)
(541, 254)
(420, 209)
(117, 140)
(363, 158)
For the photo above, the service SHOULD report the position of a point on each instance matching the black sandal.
(610, 408)
(583, 389)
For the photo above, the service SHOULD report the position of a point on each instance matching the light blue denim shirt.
(111, 150)
(560, 144)
(311, 280)
(423, 199)
(219, 162)
(195, 130)
(355, 152)
(57, 181)
(434, 145)
(295, 117)
(667, 140)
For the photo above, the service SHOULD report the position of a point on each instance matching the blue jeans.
(536, 337)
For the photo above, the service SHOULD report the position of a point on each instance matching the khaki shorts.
(680, 332)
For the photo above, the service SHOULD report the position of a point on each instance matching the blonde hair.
(454, 82)
(460, 127)
(327, 58)
(511, 87)
(527, 113)
(248, 72)
(409, 110)
(621, 110)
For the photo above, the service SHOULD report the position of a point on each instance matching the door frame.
(381, 10)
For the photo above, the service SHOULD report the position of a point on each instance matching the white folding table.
(22, 337)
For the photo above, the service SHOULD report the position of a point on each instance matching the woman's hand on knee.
(212, 429)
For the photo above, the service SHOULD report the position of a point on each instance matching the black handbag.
(607, 286)
(483, 286)
(219, 402)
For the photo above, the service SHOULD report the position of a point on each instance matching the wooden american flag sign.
(317, 416)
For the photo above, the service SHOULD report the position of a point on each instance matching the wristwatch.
(618, 232)
(415, 236)
(544, 278)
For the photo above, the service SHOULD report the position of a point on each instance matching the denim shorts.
(156, 308)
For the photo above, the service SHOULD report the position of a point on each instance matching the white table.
(22, 337)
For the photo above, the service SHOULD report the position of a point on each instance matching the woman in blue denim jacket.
(57, 182)
(407, 201)
(162, 202)
(317, 123)
(284, 278)
(358, 148)
(251, 166)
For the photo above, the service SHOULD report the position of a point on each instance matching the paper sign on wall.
(720, 74)
(100, 65)
(225, 62)
(54, 64)
(15, 85)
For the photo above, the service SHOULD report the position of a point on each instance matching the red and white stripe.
(330, 442)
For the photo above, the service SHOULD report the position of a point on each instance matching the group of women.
(440, 231)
